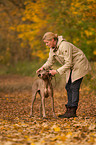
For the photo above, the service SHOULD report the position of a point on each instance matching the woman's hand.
(39, 70)
(53, 72)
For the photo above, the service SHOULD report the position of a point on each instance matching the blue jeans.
(73, 92)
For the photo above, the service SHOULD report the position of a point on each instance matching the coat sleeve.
(67, 53)
(50, 61)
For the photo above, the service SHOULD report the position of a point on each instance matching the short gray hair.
(49, 36)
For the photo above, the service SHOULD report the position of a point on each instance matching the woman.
(74, 64)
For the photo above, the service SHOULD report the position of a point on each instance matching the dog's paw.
(45, 117)
(40, 116)
(31, 116)
(55, 116)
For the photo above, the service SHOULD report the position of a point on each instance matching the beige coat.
(71, 58)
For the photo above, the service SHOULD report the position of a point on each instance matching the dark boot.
(70, 112)
(67, 110)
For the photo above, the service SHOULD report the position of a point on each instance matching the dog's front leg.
(43, 104)
(52, 102)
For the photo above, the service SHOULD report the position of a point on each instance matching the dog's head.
(44, 74)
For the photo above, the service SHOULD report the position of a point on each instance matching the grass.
(26, 68)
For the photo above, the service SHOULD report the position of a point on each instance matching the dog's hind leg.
(33, 100)
(41, 107)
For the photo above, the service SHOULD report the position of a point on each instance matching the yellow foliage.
(89, 42)
(34, 12)
(69, 134)
(76, 40)
(85, 9)
(12, 28)
(40, 19)
(57, 129)
(32, 143)
(94, 52)
(88, 33)
(40, 54)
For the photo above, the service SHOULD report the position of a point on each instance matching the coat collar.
(60, 39)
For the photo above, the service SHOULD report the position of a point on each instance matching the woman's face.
(51, 43)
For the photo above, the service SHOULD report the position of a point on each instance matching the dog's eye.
(43, 74)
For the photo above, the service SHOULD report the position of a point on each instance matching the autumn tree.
(75, 20)
(10, 16)
(24, 22)
(84, 14)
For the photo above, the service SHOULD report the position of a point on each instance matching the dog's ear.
(50, 68)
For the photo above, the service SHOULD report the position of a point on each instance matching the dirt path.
(17, 128)
(15, 91)
(10, 83)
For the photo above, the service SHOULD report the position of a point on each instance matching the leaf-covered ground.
(17, 128)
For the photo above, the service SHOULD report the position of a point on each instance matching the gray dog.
(43, 86)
